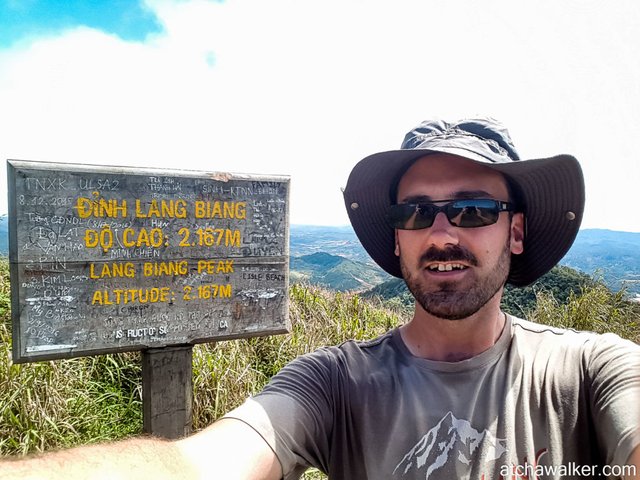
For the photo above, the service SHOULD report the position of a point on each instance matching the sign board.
(107, 259)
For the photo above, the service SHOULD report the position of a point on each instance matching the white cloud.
(308, 88)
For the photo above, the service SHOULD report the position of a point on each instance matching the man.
(462, 390)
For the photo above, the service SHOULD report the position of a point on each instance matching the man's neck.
(435, 338)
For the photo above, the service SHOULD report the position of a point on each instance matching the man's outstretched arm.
(227, 450)
(634, 460)
(231, 449)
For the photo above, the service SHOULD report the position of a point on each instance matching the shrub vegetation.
(49, 405)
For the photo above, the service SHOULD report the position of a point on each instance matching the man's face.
(451, 271)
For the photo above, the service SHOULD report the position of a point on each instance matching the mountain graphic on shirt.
(448, 450)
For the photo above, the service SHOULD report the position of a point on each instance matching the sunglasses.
(468, 213)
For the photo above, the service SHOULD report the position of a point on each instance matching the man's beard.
(451, 301)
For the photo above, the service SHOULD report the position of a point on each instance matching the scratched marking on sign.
(119, 259)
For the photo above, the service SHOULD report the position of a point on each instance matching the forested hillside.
(560, 283)
(336, 272)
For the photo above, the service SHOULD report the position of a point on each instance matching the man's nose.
(442, 233)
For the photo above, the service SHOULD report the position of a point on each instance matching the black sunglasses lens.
(409, 216)
(460, 213)
(472, 213)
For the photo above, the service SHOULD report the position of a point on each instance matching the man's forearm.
(226, 450)
(634, 460)
(136, 458)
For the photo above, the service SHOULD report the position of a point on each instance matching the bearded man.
(463, 390)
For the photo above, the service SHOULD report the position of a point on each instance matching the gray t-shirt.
(542, 402)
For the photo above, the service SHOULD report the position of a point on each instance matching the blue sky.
(129, 20)
(307, 88)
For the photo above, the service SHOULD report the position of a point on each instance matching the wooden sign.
(107, 259)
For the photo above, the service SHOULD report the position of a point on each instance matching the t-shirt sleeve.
(613, 366)
(294, 413)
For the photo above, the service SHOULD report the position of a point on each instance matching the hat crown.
(484, 136)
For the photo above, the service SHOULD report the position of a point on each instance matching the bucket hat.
(549, 191)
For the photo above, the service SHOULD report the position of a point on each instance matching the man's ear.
(397, 250)
(517, 233)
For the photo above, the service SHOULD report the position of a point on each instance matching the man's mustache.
(455, 253)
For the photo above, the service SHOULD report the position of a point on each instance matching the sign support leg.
(167, 391)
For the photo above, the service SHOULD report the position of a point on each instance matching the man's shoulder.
(382, 341)
(544, 336)
(528, 327)
(358, 351)
(337, 363)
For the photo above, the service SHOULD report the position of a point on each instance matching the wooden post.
(167, 391)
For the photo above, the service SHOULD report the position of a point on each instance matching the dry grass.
(48, 405)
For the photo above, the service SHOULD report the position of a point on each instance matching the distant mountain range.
(333, 257)
(609, 255)
(336, 272)
(341, 241)
(613, 256)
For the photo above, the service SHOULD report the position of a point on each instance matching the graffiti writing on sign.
(123, 259)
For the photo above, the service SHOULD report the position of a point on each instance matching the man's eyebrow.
(472, 194)
(460, 195)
